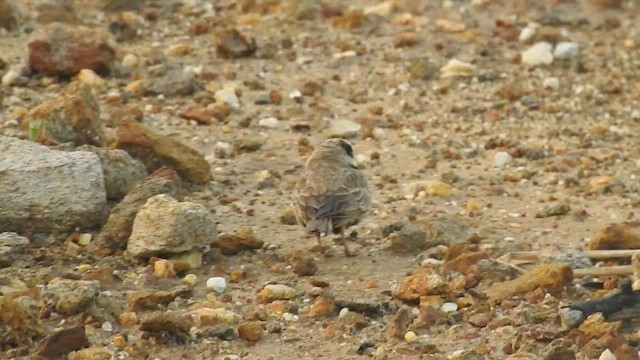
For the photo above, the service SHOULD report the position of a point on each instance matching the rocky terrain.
(149, 150)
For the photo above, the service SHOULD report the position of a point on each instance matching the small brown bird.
(332, 193)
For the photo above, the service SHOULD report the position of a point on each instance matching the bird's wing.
(349, 195)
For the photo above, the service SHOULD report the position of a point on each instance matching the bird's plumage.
(332, 193)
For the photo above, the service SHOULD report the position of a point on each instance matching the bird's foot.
(323, 250)
(349, 252)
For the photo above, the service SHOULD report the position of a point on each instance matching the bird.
(332, 194)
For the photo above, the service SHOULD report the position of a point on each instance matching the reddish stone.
(59, 49)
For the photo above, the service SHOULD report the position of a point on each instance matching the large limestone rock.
(48, 190)
(164, 226)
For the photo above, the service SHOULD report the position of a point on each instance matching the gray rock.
(165, 226)
(174, 83)
(13, 240)
(70, 297)
(47, 190)
(446, 231)
(11, 245)
(121, 171)
(344, 128)
(409, 240)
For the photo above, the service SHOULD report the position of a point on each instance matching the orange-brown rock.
(616, 237)
(464, 261)
(413, 287)
(63, 50)
(72, 116)
(156, 151)
(550, 277)
(323, 306)
(250, 330)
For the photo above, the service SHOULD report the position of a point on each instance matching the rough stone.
(409, 240)
(60, 49)
(19, 321)
(173, 83)
(48, 190)
(165, 226)
(73, 116)
(63, 341)
(8, 17)
(232, 45)
(156, 151)
(117, 230)
(242, 239)
(70, 297)
(121, 172)
(616, 237)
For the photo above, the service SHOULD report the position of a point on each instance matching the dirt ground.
(417, 125)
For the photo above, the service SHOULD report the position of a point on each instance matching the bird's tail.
(324, 226)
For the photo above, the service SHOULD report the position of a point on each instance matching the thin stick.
(591, 254)
(604, 271)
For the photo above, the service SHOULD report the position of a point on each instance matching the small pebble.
(129, 61)
(607, 355)
(190, 279)
(566, 50)
(269, 122)
(217, 284)
(538, 54)
(227, 96)
(449, 307)
(501, 159)
(527, 33)
(90, 78)
(10, 77)
(119, 341)
(551, 83)
(106, 326)
(343, 312)
(410, 336)
(289, 317)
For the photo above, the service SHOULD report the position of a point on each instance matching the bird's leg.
(344, 243)
(319, 237)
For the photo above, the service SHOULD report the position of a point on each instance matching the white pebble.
(217, 284)
(527, 33)
(228, 96)
(343, 312)
(635, 114)
(449, 307)
(269, 122)
(106, 326)
(129, 61)
(289, 317)
(538, 54)
(501, 159)
(607, 355)
(295, 94)
(379, 133)
(551, 83)
(566, 50)
(10, 77)
(455, 68)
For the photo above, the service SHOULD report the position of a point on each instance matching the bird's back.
(331, 197)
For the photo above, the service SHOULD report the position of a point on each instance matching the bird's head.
(339, 150)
